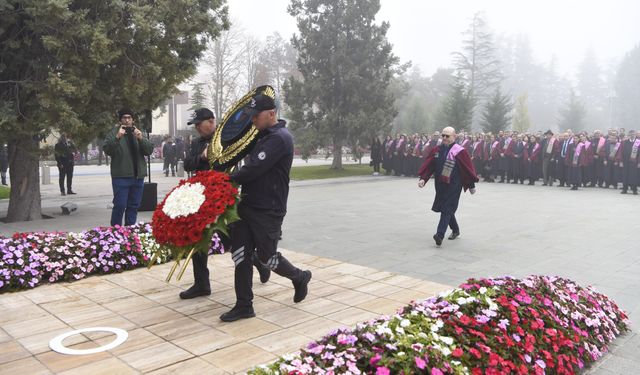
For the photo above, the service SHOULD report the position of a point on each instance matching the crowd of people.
(572, 159)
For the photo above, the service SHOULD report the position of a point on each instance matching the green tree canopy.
(346, 64)
(572, 116)
(457, 110)
(497, 113)
(69, 64)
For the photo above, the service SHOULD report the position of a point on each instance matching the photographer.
(127, 147)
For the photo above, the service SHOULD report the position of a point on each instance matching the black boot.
(438, 239)
(301, 287)
(237, 313)
(194, 291)
(263, 270)
(454, 235)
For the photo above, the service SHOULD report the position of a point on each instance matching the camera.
(129, 129)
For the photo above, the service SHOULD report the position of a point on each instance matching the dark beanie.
(124, 111)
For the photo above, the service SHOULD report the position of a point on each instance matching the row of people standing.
(574, 160)
(402, 155)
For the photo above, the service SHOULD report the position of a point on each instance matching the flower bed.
(536, 325)
(31, 259)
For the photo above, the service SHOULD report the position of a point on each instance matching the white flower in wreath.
(184, 200)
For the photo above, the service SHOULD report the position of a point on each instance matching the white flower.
(482, 290)
(446, 340)
(405, 323)
(184, 200)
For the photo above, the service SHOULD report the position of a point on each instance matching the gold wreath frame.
(215, 151)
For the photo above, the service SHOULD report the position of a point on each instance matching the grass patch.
(316, 172)
(4, 192)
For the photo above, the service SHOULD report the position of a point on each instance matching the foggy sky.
(426, 32)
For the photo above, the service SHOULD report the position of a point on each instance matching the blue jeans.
(447, 219)
(127, 195)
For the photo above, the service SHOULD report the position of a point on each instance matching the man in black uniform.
(265, 188)
(64, 151)
(205, 123)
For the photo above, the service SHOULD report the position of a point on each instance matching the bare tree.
(224, 62)
(251, 62)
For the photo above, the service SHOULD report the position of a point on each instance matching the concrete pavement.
(385, 223)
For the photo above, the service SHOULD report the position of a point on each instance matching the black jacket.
(265, 175)
(192, 161)
(64, 152)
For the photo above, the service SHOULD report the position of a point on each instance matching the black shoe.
(194, 292)
(71, 192)
(63, 193)
(438, 239)
(623, 192)
(237, 313)
(454, 235)
(265, 274)
(574, 188)
(545, 184)
(301, 287)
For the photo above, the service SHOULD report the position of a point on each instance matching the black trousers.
(65, 170)
(447, 219)
(200, 269)
(257, 233)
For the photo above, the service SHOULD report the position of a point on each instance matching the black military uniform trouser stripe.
(200, 269)
(257, 232)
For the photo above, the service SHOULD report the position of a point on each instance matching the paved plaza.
(349, 229)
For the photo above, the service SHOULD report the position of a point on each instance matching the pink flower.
(420, 363)
(382, 371)
(375, 359)
(435, 371)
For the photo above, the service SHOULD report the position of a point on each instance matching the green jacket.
(121, 158)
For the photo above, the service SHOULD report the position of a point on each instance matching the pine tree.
(71, 64)
(198, 98)
(457, 110)
(572, 116)
(478, 60)
(497, 113)
(346, 65)
(521, 121)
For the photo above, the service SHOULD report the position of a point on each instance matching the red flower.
(184, 231)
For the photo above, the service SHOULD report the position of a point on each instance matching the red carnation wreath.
(187, 217)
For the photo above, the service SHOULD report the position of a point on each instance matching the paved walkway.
(171, 336)
(384, 223)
